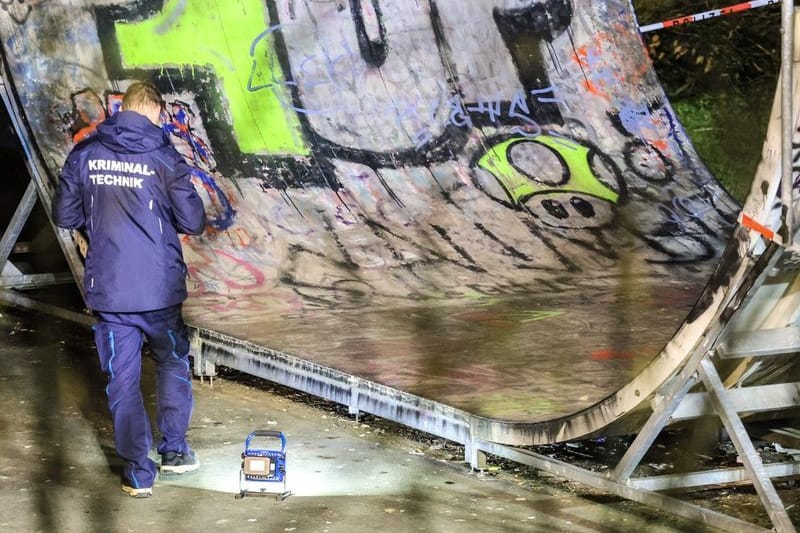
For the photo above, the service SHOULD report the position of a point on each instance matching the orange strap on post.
(751, 223)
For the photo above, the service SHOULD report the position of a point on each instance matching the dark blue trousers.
(119, 338)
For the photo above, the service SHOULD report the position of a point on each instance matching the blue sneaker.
(179, 463)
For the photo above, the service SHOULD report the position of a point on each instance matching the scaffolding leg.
(12, 233)
(747, 452)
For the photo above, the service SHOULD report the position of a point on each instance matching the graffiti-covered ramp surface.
(487, 204)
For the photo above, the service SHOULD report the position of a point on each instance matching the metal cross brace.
(37, 188)
(700, 367)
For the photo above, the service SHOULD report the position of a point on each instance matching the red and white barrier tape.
(697, 17)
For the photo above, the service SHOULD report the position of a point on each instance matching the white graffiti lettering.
(117, 181)
(120, 166)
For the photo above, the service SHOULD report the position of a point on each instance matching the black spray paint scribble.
(18, 10)
(533, 27)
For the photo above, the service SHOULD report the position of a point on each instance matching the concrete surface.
(58, 471)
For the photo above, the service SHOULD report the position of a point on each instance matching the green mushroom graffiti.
(562, 182)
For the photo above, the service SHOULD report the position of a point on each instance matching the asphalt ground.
(59, 472)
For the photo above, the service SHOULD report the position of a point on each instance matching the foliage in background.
(720, 76)
(718, 127)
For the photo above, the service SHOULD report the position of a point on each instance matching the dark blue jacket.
(129, 189)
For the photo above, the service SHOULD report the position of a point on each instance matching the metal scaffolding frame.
(675, 400)
(37, 190)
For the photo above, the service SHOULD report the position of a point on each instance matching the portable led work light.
(261, 467)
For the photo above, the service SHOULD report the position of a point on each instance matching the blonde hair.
(140, 96)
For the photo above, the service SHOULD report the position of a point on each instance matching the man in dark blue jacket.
(130, 191)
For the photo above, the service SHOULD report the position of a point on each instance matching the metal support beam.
(722, 476)
(623, 490)
(39, 180)
(787, 115)
(202, 367)
(673, 401)
(747, 452)
(18, 221)
(762, 343)
(15, 298)
(10, 276)
(674, 395)
(10, 269)
(756, 399)
(34, 281)
(340, 387)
